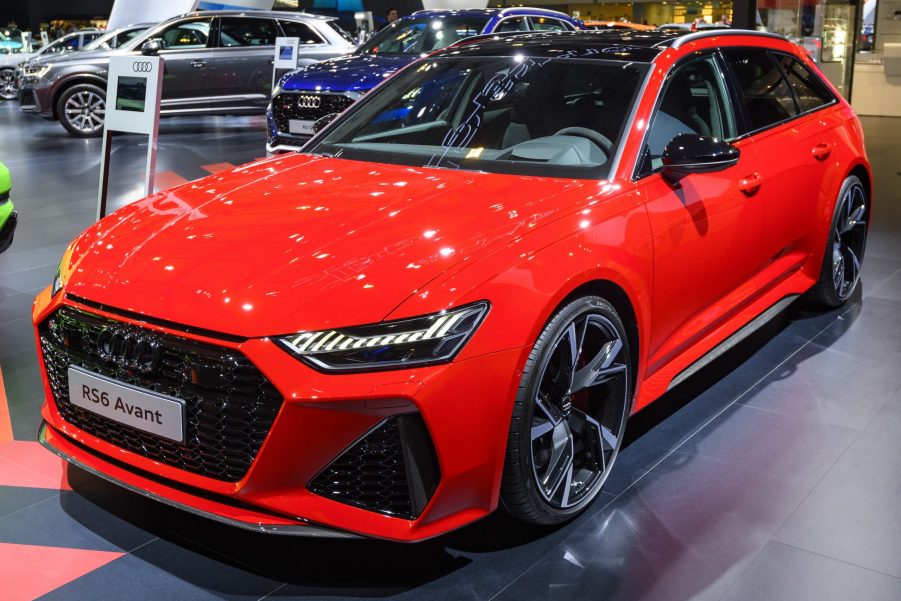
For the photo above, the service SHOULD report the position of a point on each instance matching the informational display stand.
(45, 39)
(133, 93)
(285, 56)
(26, 41)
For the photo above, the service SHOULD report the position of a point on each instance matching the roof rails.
(706, 33)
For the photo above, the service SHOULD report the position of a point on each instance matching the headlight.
(37, 71)
(427, 340)
(57, 282)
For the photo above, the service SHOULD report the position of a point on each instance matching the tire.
(82, 110)
(845, 246)
(565, 436)
(8, 89)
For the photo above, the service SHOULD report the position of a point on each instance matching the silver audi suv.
(216, 62)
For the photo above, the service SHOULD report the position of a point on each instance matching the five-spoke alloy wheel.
(845, 247)
(570, 413)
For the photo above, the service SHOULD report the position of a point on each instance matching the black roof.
(612, 44)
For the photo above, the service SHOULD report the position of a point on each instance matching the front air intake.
(392, 470)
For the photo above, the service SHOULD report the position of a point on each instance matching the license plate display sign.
(298, 126)
(141, 409)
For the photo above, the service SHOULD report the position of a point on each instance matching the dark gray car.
(215, 62)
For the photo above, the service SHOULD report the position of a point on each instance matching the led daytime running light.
(313, 343)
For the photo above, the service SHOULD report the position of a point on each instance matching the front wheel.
(570, 414)
(845, 246)
(82, 110)
(8, 89)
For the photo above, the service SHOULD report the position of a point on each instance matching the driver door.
(708, 233)
(186, 56)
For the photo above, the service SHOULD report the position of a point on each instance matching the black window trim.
(747, 132)
(566, 26)
(637, 175)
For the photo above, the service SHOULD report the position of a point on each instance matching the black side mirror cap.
(151, 47)
(691, 153)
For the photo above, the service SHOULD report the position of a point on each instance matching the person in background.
(390, 16)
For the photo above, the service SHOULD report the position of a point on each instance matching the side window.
(811, 92)
(764, 90)
(512, 24)
(186, 35)
(694, 101)
(546, 24)
(239, 31)
(302, 31)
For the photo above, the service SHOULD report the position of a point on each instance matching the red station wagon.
(455, 296)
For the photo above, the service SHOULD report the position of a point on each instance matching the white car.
(10, 61)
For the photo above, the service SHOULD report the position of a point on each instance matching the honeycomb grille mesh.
(229, 404)
(392, 470)
(288, 106)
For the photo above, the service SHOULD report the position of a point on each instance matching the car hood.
(299, 243)
(357, 73)
(101, 56)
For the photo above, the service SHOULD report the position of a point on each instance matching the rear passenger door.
(780, 97)
(240, 67)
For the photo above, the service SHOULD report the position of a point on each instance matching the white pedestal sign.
(133, 92)
(285, 56)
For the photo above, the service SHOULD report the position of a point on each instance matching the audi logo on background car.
(309, 102)
(128, 349)
(142, 67)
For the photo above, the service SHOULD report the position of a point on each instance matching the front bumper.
(7, 231)
(465, 406)
(36, 99)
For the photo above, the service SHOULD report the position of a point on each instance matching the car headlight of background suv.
(36, 71)
(427, 340)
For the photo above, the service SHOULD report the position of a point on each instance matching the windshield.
(560, 117)
(422, 35)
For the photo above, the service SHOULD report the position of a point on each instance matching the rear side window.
(811, 92)
(546, 24)
(246, 32)
(302, 31)
(512, 24)
(764, 90)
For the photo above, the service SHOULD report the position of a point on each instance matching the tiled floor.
(773, 475)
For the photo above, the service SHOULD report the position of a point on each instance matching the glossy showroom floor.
(773, 475)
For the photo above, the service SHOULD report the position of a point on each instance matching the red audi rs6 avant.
(456, 295)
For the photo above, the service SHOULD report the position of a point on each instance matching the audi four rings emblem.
(309, 102)
(142, 67)
(129, 349)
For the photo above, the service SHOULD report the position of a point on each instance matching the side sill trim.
(730, 342)
(312, 531)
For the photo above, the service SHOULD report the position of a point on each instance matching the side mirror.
(151, 47)
(323, 121)
(691, 153)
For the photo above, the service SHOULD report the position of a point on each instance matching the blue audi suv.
(314, 91)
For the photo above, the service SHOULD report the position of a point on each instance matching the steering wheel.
(601, 140)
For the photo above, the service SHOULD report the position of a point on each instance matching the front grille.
(286, 107)
(392, 470)
(229, 404)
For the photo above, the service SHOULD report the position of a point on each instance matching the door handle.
(822, 151)
(271, 61)
(750, 183)
(198, 64)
